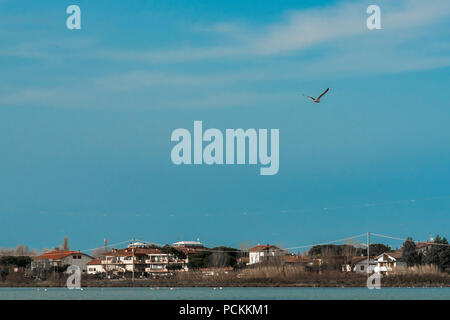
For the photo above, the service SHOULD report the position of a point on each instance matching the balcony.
(155, 270)
(156, 261)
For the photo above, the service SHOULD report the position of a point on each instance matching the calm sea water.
(225, 293)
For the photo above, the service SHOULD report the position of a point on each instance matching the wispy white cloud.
(300, 30)
(321, 42)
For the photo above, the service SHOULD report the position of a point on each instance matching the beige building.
(140, 260)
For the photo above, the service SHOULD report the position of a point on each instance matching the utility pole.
(368, 252)
(132, 250)
(106, 257)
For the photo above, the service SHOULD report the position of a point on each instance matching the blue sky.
(86, 117)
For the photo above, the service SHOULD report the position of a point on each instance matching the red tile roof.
(395, 254)
(420, 245)
(262, 248)
(58, 255)
(95, 262)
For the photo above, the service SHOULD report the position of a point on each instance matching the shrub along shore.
(258, 277)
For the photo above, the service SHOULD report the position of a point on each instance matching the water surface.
(224, 293)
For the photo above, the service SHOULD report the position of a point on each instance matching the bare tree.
(20, 250)
(218, 260)
(350, 249)
(245, 246)
(100, 252)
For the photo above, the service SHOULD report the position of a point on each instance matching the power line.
(401, 239)
(82, 251)
(329, 242)
(113, 244)
(389, 237)
(290, 248)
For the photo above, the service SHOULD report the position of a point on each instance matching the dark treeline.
(438, 254)
(216, 257)
(15, 261)
(330, 250)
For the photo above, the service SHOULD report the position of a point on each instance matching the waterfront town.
(194, 262)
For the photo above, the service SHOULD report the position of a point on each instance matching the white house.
(262, 253)
(189, 244)
(359, 265)
(95, 266)
(388, 261)
(61, 258)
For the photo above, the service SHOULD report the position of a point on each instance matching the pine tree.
(410, 254)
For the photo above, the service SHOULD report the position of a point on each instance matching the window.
(362, 268)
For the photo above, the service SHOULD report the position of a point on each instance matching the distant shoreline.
(260, 277)
(152, 284)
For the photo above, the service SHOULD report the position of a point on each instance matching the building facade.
(95, 267)
(62, 258)
(139, 260)
(389, 261)
(264, 253)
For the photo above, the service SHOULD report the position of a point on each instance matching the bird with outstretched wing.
(318, 98)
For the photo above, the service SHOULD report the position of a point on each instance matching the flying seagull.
(318, 99)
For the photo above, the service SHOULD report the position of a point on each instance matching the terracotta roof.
(423, 244)
(58, 255)
(395, 254)
(262, 248)
(95, 262)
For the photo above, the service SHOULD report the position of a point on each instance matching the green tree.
(61, 269)
(332, 250)
(439, 254)
(171, 250)
(410, 254)
(378, 248)
(216, 257)
(198, 260)
(20, 261)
